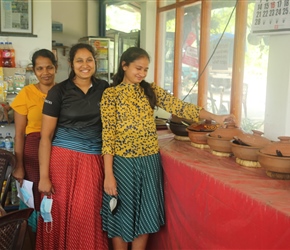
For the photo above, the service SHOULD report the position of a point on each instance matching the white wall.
(25, 46)
(277, 111)
(73, 16)
(147, 33)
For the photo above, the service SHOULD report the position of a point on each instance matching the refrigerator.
(122, 42)
(105, 56)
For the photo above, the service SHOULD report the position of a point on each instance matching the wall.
(25, 46)
(73, 16)
(277, 111)
(147, 33)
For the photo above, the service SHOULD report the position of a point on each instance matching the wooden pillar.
(239, 60)
(204, 52)
(177, 68)
(158, 36)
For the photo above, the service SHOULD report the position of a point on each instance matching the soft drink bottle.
(1, 53)
(6, 62)
(12, 54)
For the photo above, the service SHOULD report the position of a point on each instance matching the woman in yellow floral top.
(133, 170)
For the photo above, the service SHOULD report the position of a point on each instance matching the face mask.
(45, 210)
(25, 194)
(114, 203)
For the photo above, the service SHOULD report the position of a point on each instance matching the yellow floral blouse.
(129, 129)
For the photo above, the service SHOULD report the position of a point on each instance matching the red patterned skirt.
(77, 179)
(31, 164)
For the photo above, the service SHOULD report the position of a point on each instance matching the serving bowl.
(278, 148)
(220, 139)
(180, 120)
(203, 126)
(219, 144)
(276, 166)
(197, 132)
(256, 139)
(227, 133)
(244, 152)
(178, 129)
(197, 137)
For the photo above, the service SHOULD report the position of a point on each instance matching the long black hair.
(72, 54)
(43, 53)
(129, 56)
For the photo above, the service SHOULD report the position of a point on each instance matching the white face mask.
(114, 203)
(45, 211)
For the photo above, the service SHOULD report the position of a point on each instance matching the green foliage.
(250, 124)
(219, 19)
(123, 18)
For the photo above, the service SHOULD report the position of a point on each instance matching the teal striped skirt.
(140, 192)
(32, 220)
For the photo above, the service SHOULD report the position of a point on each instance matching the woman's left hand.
(222, 119)
(110, 185)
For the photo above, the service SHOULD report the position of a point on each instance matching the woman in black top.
(71, 165)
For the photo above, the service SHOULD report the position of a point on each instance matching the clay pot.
(219, 144)
(179, 120)
(197, 137)
(178, 129)
(227, 133)
(279, 148)
(203, 126)
(255, 140)
(243, 152)
(274, 163)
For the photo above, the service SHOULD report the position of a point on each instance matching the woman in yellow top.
(133, 170)
(27, 107)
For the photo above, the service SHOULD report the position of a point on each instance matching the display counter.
(211, 202)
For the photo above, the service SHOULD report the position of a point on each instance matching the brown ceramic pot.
(178, 129)
(197, 137)
(179, 120)
(203, 126)
(274, 163)
(218, 144)
(255, 139)
(279, 148)
(243, 152)
(227, 133)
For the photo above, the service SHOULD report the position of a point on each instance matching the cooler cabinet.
(105, 56)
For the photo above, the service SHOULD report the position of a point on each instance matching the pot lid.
(255, 139)
(278, 148)
(227, 132)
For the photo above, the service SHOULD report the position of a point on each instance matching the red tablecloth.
(212, 202)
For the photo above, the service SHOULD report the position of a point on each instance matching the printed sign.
(271, 17)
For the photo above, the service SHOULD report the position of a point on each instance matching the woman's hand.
(110, 185)
(220, 119)
(224, 119)
(45, 186)
(18, 174)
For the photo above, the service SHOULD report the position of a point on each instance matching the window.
(178, 62)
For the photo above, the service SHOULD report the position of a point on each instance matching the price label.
(271, 17)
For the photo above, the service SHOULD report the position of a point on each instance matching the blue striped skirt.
(140, 192)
